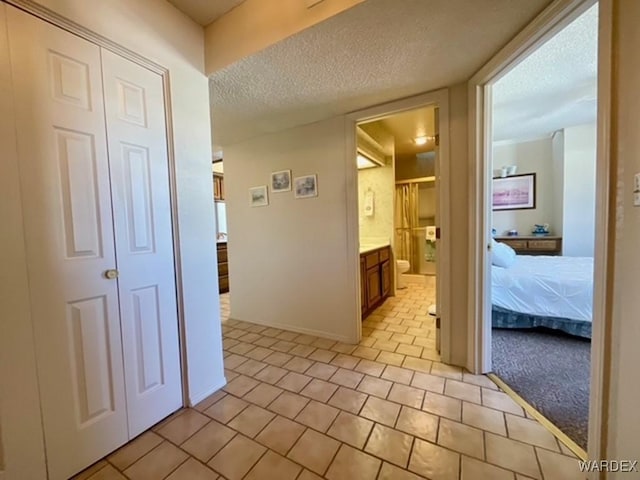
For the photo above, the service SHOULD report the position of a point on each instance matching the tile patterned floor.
(305, 408)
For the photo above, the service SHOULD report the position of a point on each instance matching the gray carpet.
(550, 371)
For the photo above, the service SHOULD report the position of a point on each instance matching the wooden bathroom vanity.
(375, 277)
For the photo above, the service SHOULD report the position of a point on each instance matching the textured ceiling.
(205, 11)
(378, 51)
(406, 126)
(553, 88)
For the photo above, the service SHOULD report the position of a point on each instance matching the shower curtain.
(406, 219)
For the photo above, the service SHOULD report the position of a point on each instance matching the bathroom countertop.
(370, 247)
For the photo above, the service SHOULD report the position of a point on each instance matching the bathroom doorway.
(397, 158)
(399, 176)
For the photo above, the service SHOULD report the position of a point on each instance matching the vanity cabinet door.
(385, 273)
(374, 292)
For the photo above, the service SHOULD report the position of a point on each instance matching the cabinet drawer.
(372, 259)
(222, 255)
(223, 284)
(543, 244)
(516, 244)
(384, 255)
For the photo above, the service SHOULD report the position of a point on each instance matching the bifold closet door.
(64, 179)
(94, 178)
(136, 131)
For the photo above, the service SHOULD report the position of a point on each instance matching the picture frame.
(281, 181)
(258, 196)
(515, 192)
(306, 186)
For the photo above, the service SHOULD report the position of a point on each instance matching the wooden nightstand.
(531, 245)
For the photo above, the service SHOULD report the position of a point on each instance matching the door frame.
(553, 19)
(439, 98)
(57, 20)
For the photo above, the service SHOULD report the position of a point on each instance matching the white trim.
(353, 227)
(440, 98)
(603, 263)
(548, 23)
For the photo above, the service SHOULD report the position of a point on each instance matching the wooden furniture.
(223, 267)
(218, 186)
(532, 245)
(375, 277)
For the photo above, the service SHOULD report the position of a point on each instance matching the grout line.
(178, 466)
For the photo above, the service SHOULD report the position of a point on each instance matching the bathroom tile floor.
(301, 407)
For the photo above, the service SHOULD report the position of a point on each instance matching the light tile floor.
(300, 407)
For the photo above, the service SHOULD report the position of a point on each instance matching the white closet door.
(64, 180)
(138, 159)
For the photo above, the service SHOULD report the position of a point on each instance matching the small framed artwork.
(281, 181)
(306, 187)
(258, 196)
(517, 192)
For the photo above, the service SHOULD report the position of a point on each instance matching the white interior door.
(66, 197)
(136, 133)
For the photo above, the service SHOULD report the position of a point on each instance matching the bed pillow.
(502, 255)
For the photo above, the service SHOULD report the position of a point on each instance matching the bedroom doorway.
(541, 213)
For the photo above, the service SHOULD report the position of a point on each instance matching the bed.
(544, 291)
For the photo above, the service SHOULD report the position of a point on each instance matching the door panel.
(374, 293)
(386, 278)
(66, 198)
(144, 243)
(80, 207)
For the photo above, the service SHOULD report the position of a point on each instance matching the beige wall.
(409, 166)
(530, 157)
(159, 32)
(623, 420)
(288, 260)
(381, 182)
(22, 450)
(557, 172)
(579, 195)
(426, 203)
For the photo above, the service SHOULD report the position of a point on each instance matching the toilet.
(402, 266)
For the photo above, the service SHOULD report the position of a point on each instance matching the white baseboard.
(307, 331)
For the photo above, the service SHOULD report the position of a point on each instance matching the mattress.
(545, 286)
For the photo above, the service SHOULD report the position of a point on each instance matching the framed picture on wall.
(281, 181)
(258, 196)
(517, 192)
(306, 187)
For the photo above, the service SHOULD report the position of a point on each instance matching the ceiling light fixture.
(422, 140)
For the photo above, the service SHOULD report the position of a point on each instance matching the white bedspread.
(548, 286)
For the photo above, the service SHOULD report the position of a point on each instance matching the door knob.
(111, 274)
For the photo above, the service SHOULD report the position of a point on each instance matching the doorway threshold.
(546, 423)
